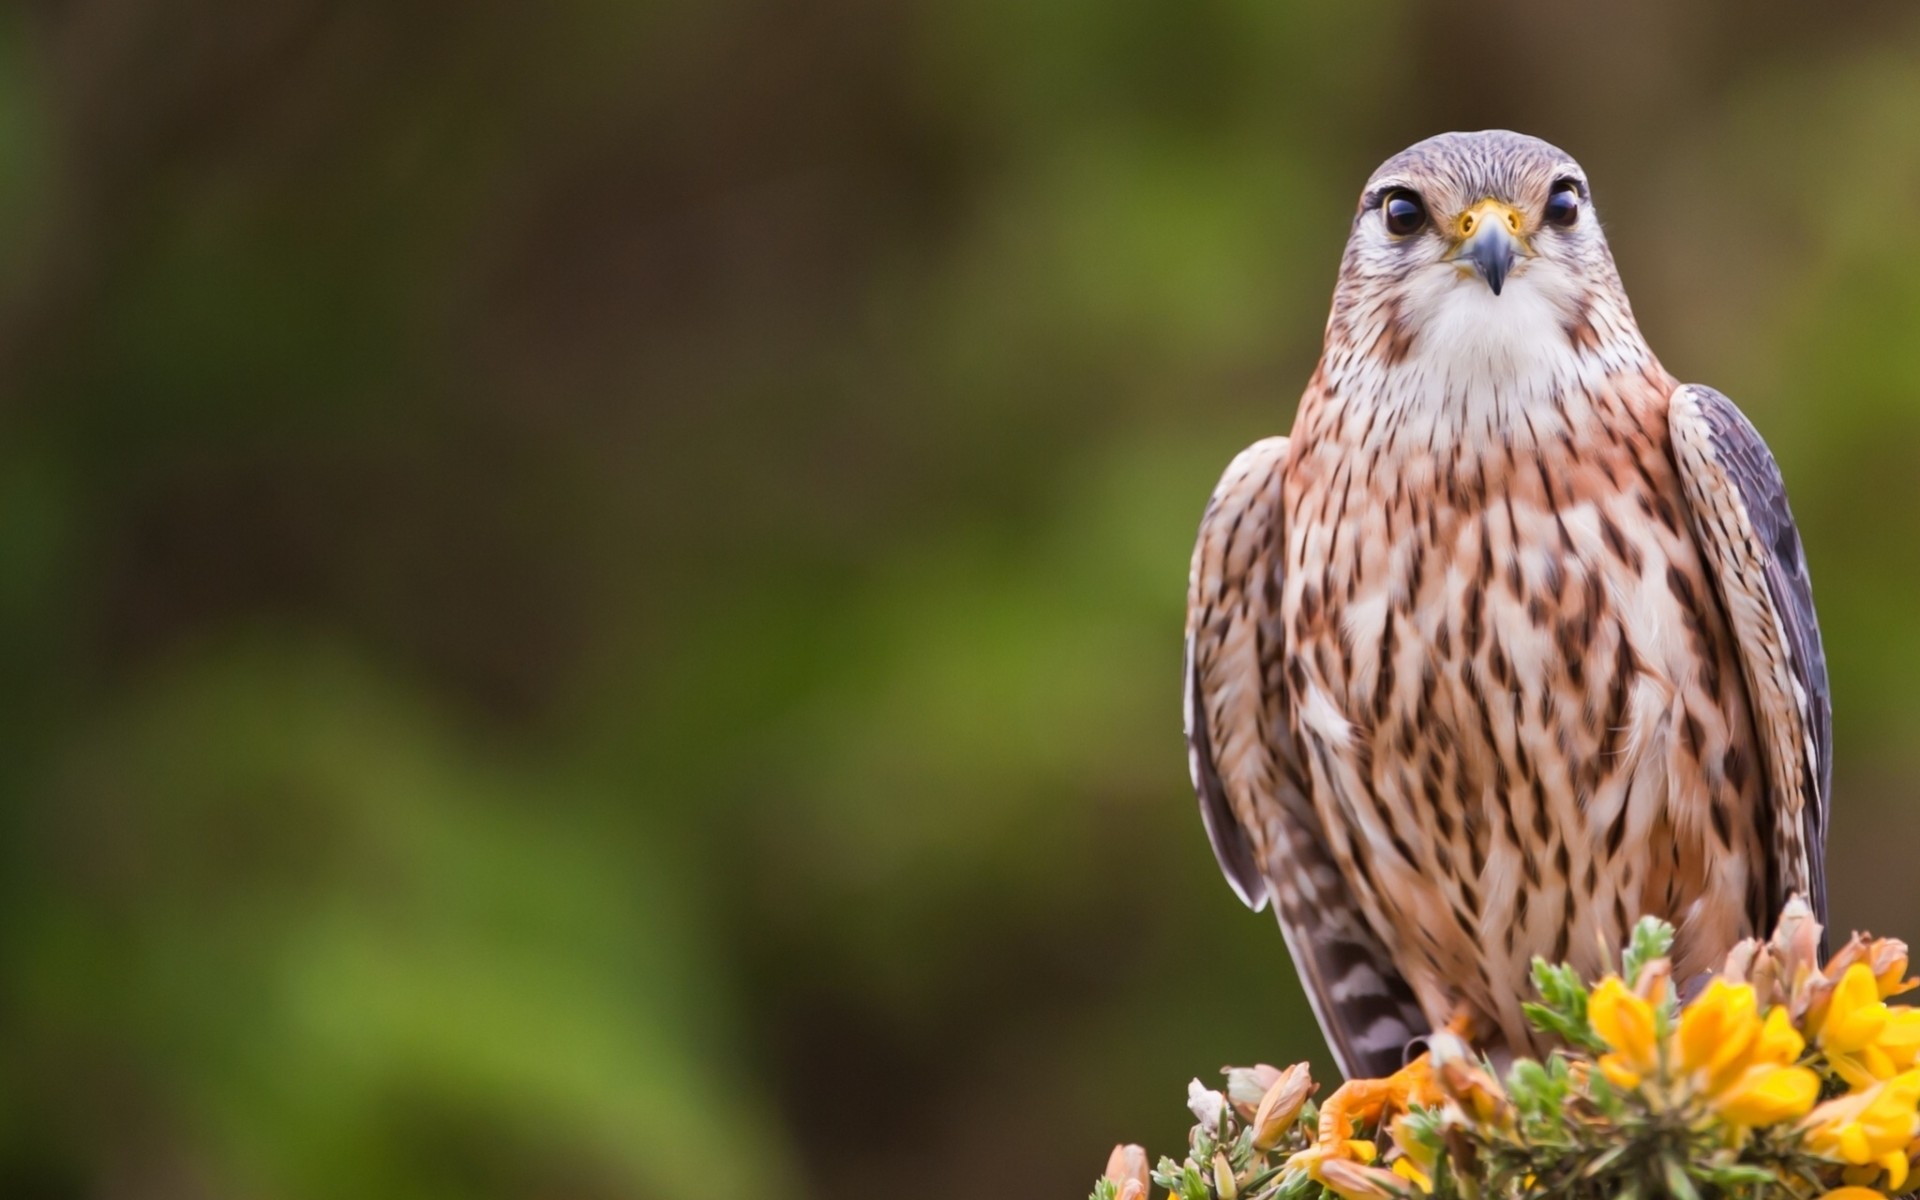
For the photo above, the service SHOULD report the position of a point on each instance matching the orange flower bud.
(1280, 1107)
(1247, 1085)
(1353, 1181)
(1855, 951)
(1127, 1168)
(1796, 939)
(1887, 957)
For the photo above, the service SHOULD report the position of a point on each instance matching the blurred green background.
(590, 593)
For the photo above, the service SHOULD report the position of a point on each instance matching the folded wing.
(1251, 783)
(1740, 516)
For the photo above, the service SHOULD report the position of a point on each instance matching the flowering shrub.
(1781, 1077)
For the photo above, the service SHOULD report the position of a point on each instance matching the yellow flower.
(1716, 1031)
(1417, 1160)
(1855, 1015)
(1625, 1022)
(1740, 1063)
(1405, 1169)
(1779, 1042)
(1854, 1193)
(1319, 1154)
(1865, 1039)
(1900, 1040)
(1764, 1094)
(1869, 1127)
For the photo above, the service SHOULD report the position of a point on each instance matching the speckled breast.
(1519, 704)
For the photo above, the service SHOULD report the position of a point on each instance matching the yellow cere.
(1488, 212)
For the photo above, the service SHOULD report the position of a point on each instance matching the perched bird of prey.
(1511, 642)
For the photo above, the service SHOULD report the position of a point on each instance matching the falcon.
(1511, 641)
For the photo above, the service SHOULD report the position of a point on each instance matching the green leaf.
(1562, 1010)
(1166, 1173)
(1679, 1183)
(1605, 1097)
(1735, 1175)
(1194, 1184)
(1255, 1182)
(1294, 1185)
(1652, 939)
(1530, 1080)
(1605, 1161)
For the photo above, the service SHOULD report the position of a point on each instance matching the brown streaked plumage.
(1511, 641)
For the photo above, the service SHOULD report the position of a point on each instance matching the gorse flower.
(1865, 1038)
(1417, 1161)
(1717, 1098)
(1885, 957)
(1723, 1054)
(1629, 1025)
(1743, 1065)
(1764, 1095)
(1871, 1128)
(1716, 1032)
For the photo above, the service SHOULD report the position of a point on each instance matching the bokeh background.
(590, 593)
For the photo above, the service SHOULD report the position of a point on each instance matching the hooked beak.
(1490, 241)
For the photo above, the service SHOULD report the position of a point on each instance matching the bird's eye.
(1404, 212)
(1563, 204)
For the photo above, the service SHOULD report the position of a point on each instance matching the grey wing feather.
(1253, 793)
(1740, 514)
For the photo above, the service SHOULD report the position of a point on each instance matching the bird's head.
(1483, 244)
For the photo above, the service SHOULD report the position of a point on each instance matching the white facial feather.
(1438, 356)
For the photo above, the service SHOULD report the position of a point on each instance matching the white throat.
(1478, 369)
